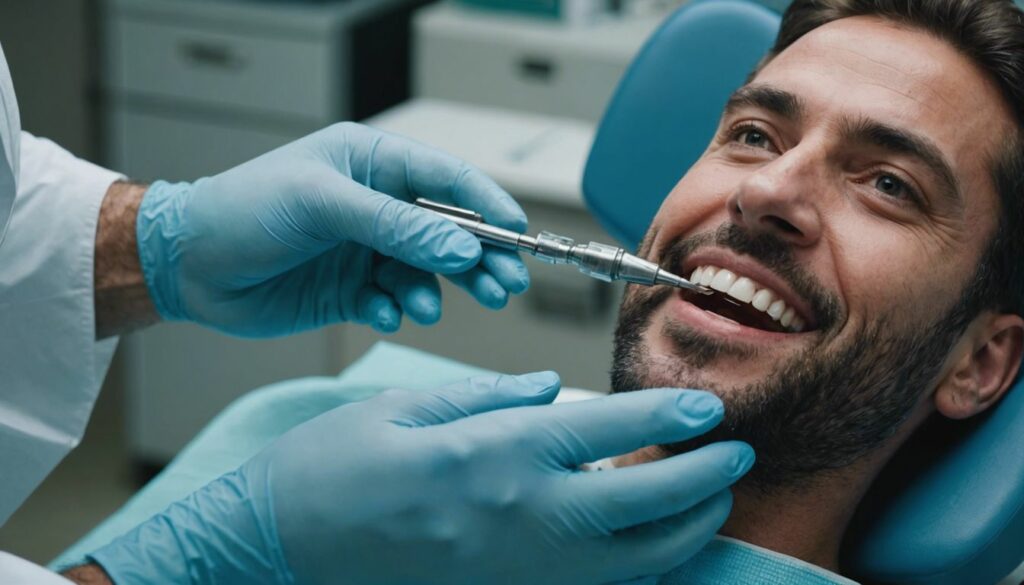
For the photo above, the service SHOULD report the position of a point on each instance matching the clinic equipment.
(522, 65)
(600, 261)
(949, 508)
(573, 12)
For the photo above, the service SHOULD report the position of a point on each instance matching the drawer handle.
(207, 54)
(537, 69)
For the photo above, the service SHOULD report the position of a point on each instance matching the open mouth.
(746, 302)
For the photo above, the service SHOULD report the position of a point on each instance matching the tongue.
(742, 313)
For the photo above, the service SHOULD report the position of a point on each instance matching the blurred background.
(178, 89)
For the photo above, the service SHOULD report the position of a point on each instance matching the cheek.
(889, 270)
(698, 201)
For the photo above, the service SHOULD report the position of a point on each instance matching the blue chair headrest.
(667, 107)
(947, 510)
(950, 508)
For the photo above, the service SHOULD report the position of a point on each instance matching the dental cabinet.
(193, 87)
(523, 63)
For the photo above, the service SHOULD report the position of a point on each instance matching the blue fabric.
(725, 561)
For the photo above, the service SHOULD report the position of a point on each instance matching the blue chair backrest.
(667, 107)
(948, 510)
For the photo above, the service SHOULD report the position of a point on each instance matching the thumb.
(403, 231)
(468, 397)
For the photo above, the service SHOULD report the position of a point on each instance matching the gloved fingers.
(475, 395)
(507, 268)
(581, 432)
(630, 496)
(378, 309)
(482, 286)
(659, 547)
(476, 191)
(417, 292)
(406, 168)
(397, 229)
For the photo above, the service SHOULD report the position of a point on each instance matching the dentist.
(478, 482)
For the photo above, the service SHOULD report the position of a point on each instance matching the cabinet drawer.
(147, 146)
(248, 70)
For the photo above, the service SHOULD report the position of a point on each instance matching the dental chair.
(946, 511)
(948, 508)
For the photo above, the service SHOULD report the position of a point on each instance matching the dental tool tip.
(665, 277)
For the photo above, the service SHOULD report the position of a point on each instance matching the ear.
(990, 355)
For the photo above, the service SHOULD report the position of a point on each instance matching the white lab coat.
(51, 366)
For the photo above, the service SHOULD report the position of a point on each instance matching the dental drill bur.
(600, 261)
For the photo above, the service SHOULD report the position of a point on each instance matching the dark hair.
(991, 33)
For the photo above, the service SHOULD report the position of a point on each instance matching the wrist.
(222, 533)
(159, 228)
(87, 575)
(121, 299)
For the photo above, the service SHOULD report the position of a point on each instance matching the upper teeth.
(745, 290)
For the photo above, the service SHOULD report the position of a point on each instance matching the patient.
(862, 201)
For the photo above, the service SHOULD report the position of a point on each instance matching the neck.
(806, 522)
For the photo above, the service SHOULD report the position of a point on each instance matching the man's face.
(850, 181)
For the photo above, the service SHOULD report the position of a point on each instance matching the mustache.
(768, 249)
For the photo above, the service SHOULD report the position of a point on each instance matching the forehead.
(869, 67)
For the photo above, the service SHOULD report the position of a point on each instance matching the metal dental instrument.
(599, 261)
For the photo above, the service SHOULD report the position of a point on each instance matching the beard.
(821, 409)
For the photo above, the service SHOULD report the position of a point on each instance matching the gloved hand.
(320, 231)
(443, 487)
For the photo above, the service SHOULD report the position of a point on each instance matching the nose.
(780, 198)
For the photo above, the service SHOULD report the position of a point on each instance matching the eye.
(754, 138)
(893, 186)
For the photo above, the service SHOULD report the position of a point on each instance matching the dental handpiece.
(596, 260)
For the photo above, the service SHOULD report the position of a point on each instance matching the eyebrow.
(765, 97)
(905, 142)
(864, 130)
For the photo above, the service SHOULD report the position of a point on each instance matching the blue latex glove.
(320, 231)
(443, 487)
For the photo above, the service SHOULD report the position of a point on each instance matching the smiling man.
(862, 204)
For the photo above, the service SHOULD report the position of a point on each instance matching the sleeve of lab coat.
(52, 365)
(15, 571)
